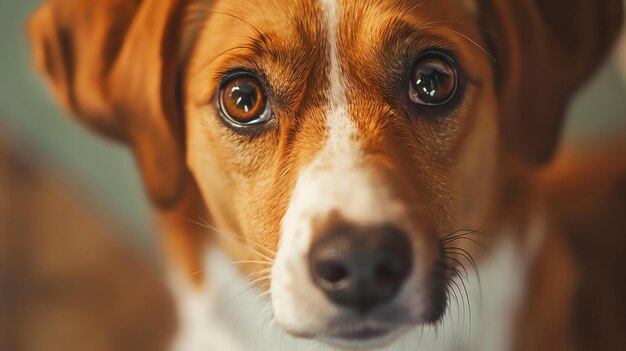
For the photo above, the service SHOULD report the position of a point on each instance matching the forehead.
(291, 45)
(285, 18)
(287, 38)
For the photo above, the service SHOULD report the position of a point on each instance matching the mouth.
(363, 338)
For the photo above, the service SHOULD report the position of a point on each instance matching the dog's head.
(348, 139)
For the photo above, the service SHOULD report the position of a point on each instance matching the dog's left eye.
(434, 80)
(242, 100)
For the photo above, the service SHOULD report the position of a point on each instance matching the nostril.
(332, 272)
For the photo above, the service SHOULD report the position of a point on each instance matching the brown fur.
(118, 66)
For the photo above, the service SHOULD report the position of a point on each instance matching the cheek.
(209, 168)
(475, 172)
(242, 196)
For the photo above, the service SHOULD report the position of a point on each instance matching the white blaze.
(334, 181)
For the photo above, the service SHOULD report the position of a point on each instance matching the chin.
(366, 339)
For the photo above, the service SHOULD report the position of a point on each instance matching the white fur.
(200, 325)
(327, 184)
(317, 192)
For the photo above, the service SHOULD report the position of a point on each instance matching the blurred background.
(80, 267)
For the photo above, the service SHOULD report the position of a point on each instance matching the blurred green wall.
(33, 123)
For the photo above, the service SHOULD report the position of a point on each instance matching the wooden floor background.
(65, 283)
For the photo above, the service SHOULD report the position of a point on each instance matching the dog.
(354, 157)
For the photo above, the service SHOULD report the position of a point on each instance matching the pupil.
(430, 82)
(244, 96)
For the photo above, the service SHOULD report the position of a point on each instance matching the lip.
(362, 334)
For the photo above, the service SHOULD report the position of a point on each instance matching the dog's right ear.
(544, 51)
(115, 64)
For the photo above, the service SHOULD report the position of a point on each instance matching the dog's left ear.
(544, 51)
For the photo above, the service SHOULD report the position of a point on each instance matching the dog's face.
(342, 126)
(342, 141)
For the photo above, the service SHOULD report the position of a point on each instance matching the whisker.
(262, 37)
(250, 261)
(224, 235)
(450, 235)
(456, 300)
(467, 231)
(466, 255)
(467, 38)
(267, 309)
(261, 272)
(462, 310)
(477, 243)
(257, 245)
(460, 264)
(199, 271)
(215, 57)
(249, 286)
(462, 252)
(469, 308)
(482, 29)
(411, 9)
(264, 324)
(262, 295)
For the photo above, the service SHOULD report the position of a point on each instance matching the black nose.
(361, 268)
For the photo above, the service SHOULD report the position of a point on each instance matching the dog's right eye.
(242, 100)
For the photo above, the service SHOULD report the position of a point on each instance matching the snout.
(358, 285)
(358, 261)
(361, 268)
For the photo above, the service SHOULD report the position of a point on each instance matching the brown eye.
(243, 101)
(434, 80)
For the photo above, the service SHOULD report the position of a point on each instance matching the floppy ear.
(544, 51)
(114, 64)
